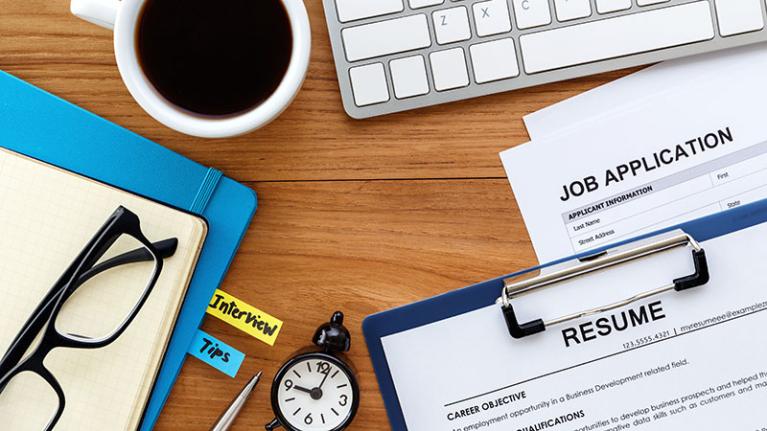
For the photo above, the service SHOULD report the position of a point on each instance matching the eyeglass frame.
(84, 267)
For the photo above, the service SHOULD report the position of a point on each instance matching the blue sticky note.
(216, 353)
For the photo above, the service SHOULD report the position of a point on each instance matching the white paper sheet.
(640, 87)
(604, 204)
(676, 372)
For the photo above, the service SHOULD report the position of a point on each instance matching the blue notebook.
(45, 127)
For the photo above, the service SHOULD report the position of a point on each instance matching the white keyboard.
(397, 55)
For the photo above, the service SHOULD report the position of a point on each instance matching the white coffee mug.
(123, 16)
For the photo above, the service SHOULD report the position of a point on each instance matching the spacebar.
(617, 37)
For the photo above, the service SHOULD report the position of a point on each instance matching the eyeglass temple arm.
(165, 249)
(35, 323)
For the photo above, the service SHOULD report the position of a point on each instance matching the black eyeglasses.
(80, 312)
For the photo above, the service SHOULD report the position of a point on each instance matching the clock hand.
(324, 378)
(315, 393)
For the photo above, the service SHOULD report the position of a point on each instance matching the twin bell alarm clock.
(317, 391)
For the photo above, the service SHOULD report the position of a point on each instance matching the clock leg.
(273, 425)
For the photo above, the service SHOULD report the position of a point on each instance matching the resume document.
(692, 360)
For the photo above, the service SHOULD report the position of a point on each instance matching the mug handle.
(99, 12)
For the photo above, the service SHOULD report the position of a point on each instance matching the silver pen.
(228, 417)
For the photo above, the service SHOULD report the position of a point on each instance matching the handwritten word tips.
(216, 353)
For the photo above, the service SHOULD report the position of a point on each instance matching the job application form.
(692, 360)
(681, 155)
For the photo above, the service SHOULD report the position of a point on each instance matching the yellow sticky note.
(245, 317)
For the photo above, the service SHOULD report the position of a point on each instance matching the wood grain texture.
(358, 216)
(360, 246)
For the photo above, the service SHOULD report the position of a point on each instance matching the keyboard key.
(492, 17)
(568, 10)
(494, 60)
(369, 84)
(352, 10)
(409, 77)
(532, 13)
(607, 6)
(616, 37)
(415, 4)
(386, 37)
(651, 2)
(449, 69)
(451, 25)
(738, 17)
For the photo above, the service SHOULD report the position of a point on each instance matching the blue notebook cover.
(40, 125)
(468, 299)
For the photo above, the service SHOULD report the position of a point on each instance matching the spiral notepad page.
(47, 215)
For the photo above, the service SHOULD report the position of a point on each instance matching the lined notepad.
(47, 215)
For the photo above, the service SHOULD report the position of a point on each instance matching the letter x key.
(492, 17)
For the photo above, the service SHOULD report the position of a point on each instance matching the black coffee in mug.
(215, 57)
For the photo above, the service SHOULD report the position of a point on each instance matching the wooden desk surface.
(359, 216)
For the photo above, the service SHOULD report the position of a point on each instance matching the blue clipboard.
(42, 126)
(486, 293)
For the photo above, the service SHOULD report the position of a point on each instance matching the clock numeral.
(288, 384)
(344, 401)
(323, 368)
(308, 419)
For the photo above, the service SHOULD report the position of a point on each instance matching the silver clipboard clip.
(531, 282)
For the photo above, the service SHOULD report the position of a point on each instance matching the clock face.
(315, 393)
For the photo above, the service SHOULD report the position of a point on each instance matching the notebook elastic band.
(205, 193)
